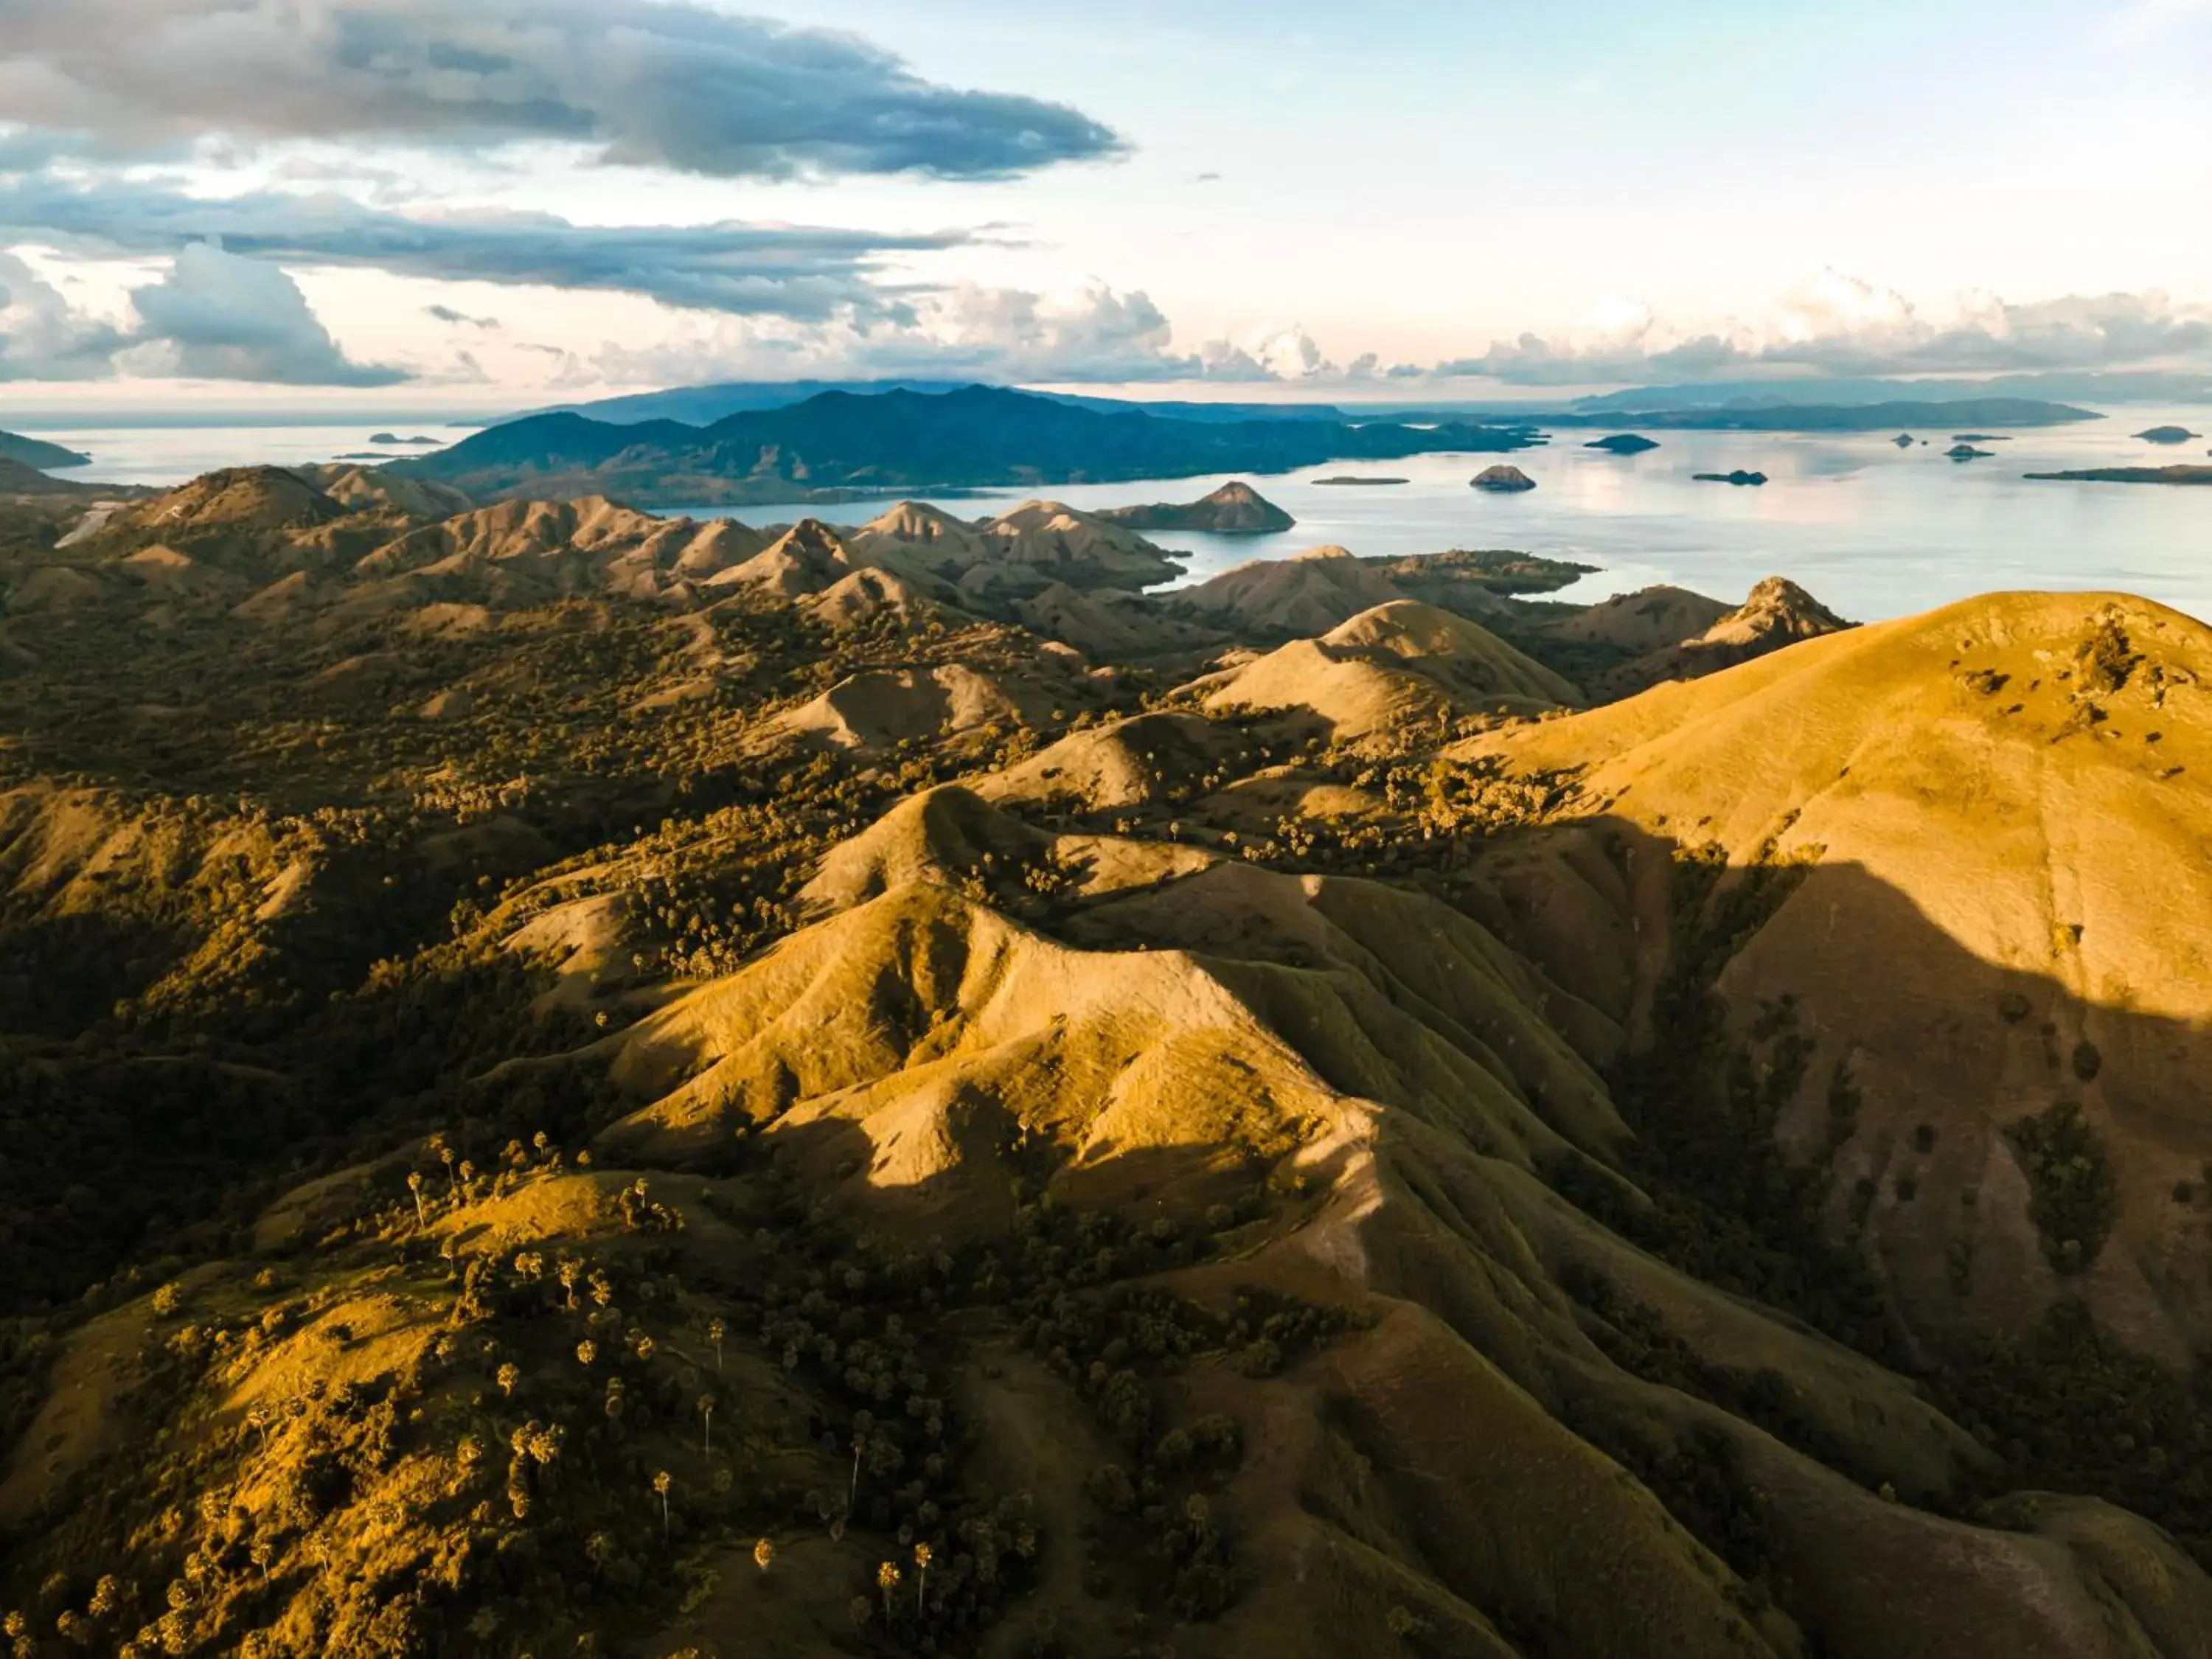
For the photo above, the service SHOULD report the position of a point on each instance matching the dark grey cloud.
(461, 319)
(2079, 332)
(640, 82)
(218, 316)
(794, 271)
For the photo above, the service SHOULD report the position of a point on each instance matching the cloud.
(43, 337)
(213, 316)
(1004, 334)
(1095, 335)
(793, 271)
(640, 83)
(461, 319)
(1841, 325)
(218, 316)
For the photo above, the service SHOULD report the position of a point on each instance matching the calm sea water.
(172, 454)
(1873, 530)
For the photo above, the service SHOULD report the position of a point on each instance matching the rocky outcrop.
(1777, 612)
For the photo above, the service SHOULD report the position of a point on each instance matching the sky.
(480, 204)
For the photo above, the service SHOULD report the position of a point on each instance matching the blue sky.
(450, 202)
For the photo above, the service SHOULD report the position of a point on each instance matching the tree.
(707, 1414)
(887, 1579)
(763, 1554)
(662, 1480)
(716, 1332)
(922, 1554)
(415, 1185)
(587, 1351)
(508, 1374)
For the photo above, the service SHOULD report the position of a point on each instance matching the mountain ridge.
(901, 441)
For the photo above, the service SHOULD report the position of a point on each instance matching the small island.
(2153, 475)
(1503, 480)
(389, 441)
(2168, 435)
(1739, 476)
(1235, 509)
(1981, 438)
(1622, 443)
(1903, 440)
(1349, 480)
(1968, 452)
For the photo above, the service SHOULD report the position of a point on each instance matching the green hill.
(840, 445)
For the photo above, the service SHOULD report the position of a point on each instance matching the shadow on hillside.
(1923, 1072)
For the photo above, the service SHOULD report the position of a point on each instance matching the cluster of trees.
(2073, 1195)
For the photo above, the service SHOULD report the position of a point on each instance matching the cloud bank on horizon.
(333, 193)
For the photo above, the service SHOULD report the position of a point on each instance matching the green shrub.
(2074, 1196)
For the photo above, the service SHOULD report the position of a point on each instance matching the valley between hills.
(579, 1082)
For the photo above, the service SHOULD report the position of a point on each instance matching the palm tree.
(716, 1332)
(859, 1445)
(509, 1375)
(661, 1482)
(588, 1351)
(707, 1413)
(887, 1578)
(922, 1554)
(763, 1554)
(415, 1185)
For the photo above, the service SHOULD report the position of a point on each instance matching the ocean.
(1871, 529)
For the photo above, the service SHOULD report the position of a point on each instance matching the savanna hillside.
(581, 1083)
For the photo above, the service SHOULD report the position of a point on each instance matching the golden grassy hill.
(1777, 612)
(551, 1103)
(1649, 619)
(1113, 624)
(1156, 756)
(520, 550)
(916, 534)
(805, 559)
(869, 595)
(1996, 803)
(1308, 594)
(1390, 668)
(886, 707)
(361, 487)
(1462, 655)
(1017, 555)
(913, 1052)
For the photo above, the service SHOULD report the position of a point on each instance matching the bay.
(1871, 529)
